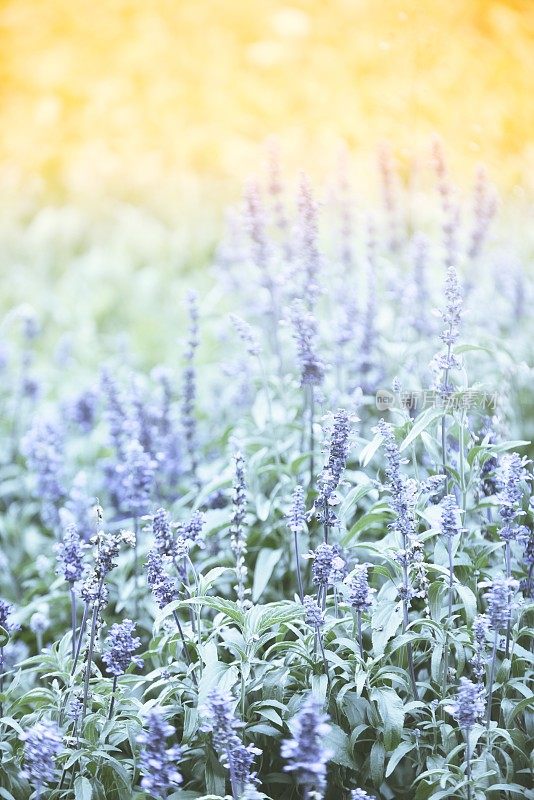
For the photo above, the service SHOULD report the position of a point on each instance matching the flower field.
(266, 528)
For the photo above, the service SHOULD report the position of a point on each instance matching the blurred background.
(128, 127)
(141, 98)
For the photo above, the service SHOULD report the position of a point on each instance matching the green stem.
(73, 622)
(187, 657)
(468, 763)
(297, 566)
(112, 703)
(491, 679)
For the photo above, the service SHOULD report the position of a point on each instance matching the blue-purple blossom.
(444, 362)
(163, 587)
(43, 448)
(306, 753)
(163, 534)
(308, 235)
(82, 410)
(6, 610)
(296, 517)
(449, 520)
(510, 475)
(401, 492)
(221, 721)
(158, 763)
(189, 389)
(120, 648)
(238, 541)
(499, 599)
(137, 473)
(313, 614)
(328, 567)
(480, 632)
(70, 554)
(332, 472)
(39, 622)
(359, 794)
(469, 706)
(247, 335)
(360, 594)
(304, 331)
(42, 743)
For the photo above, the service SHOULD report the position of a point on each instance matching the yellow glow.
(131, 93)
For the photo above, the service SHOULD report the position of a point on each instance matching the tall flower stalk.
(332, 472)
(304, 330)
(443, 363)
(70, 552)
(189, 389)
(449, 528)
(306, 753)
(467, 709)
(120, 647)
(238, 538)
(296, 522)
(360, 596)
(499, 611)
(511, 475)
(402, 502)
(221, 721)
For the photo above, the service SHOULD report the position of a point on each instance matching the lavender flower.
(6, 610)
(401, 492)
(419, 295)
(499, 600)
(39, 622)
(247, 335)
(137, 473)
(70, 555)
(42, 743)
(468, 707)
(304, 328)
(43, 448)
(163, 533)
(189, 382)
(449, 521)
(221, 721)
(328, 567)
(78, 507)
(480, 632)
(163, 587)
(387, 172)
(121, 646)
(296, 518)
(484, 208)
(510, 476)
(442, 363)
(309, 256)
(359, 794)
(238, 540)
(82, 410)
(314, 616)
(157, 761)
(360, 593)
(331, 474)
(116, 413)
(305, 753)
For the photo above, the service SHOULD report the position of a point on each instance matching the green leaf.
(399, 752)
(376, 763)
(4, 636)
(82, 788)
(370, 449)
(265, 563)
(386, 621)
(339, 743)
(468, 599)
(391, 709)
(423, 421)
